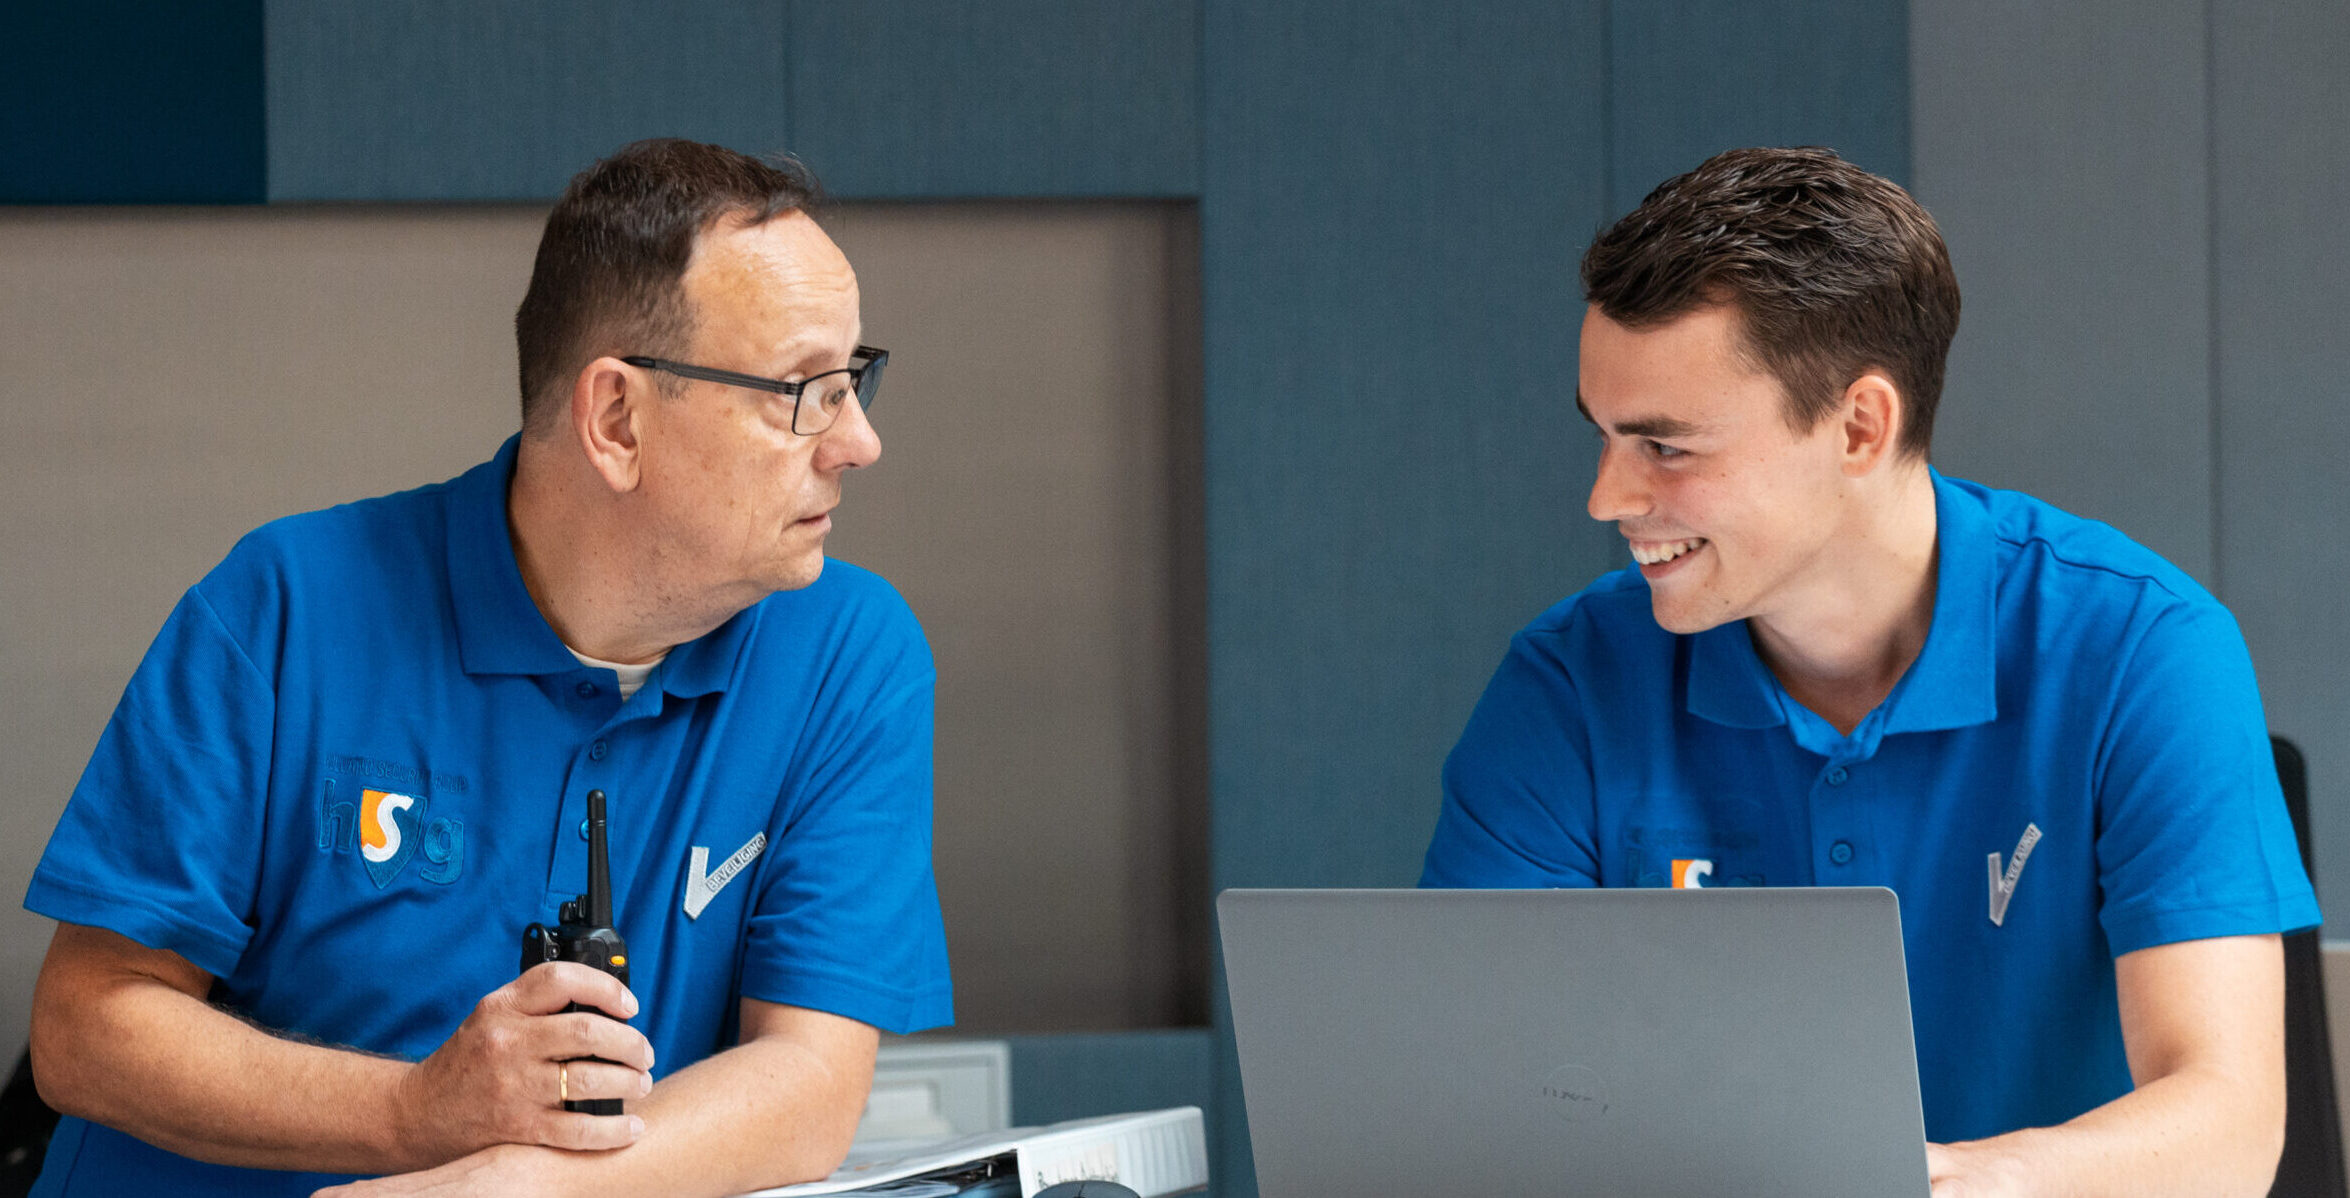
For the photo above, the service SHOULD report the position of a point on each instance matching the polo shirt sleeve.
(160, 839)
(2195, 840)
(847, 920)
(1518, 809)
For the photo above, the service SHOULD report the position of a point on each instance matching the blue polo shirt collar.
(706, 664)
(1728, 683)
(1952, 684)
(499, 628)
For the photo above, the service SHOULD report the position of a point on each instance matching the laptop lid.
(1606, 1042)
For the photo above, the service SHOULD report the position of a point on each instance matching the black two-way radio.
(586, 934)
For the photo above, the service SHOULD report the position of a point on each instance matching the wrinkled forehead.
(782, 279)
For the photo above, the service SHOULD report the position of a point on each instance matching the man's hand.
(502, 1077)
(1978, 1169)
(780, 1107)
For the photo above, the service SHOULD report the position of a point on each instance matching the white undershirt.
(632, 678)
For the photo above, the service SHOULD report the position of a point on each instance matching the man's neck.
(594, 585)
(1841, 647)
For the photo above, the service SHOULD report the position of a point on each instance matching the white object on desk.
(1154, 1153)
(925, 1091)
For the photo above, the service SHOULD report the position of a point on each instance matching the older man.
(292, 883)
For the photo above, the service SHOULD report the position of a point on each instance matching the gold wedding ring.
(563, 1080)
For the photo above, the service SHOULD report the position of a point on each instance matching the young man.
(1833, 666)
(293, 882)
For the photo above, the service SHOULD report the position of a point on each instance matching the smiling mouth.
(1656, 553)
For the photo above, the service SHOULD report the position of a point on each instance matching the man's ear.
(1872, 414)
(607, 401)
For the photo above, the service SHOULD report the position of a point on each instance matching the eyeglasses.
(830, 390)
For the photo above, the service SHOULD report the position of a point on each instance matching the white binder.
(1153, 1153)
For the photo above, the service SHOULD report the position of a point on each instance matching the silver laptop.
(1495, 1043)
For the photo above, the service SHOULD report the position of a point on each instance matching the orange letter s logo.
(379, 830)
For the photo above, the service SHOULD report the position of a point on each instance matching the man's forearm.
(2198, 1134)
(764, 1113)
(188, 1077)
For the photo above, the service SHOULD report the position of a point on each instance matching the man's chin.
(802, 575)
(796, 574)
(1678, 619)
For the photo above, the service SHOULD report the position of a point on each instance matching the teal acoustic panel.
(1690, 78)
(131, 102)
(466, 100)
(1078, 1076)
(1394, 196)
(935, 99)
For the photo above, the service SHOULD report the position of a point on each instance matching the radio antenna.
(599, 888)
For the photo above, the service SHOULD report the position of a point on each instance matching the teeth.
(1663, 551)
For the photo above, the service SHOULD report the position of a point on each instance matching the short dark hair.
(1833, 271)
(616, 247)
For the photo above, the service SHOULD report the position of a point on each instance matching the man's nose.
(1618, 492)
(851, 441)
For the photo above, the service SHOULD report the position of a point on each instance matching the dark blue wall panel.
(453, 100)
(1393, 199)
(463, 100)
(120, 101)
(951, 98)
(1690, 78)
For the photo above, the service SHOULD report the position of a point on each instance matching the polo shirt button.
(583, 828)
(1836, 777)
(587, 690)
(596, 751)
(1840, 853)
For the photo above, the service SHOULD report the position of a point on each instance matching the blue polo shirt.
(2071, 683)
(354, 765)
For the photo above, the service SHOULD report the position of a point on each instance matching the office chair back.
(2312, 1164)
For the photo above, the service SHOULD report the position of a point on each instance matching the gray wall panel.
(918, 98)
(1690, 78)
(457, 100)
(2062, 148)
(2281, 166)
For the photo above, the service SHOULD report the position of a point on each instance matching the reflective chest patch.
(2003, 881)
(701, 886)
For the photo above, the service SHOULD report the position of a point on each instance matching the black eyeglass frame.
(864, 379)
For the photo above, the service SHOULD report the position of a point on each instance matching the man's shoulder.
(2078, 561)
(857, 597)
(1606, 630)
(336, 557)
(850, 616)
(1614, 608)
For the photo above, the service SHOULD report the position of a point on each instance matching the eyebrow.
(809, 361)
(1645, 426)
